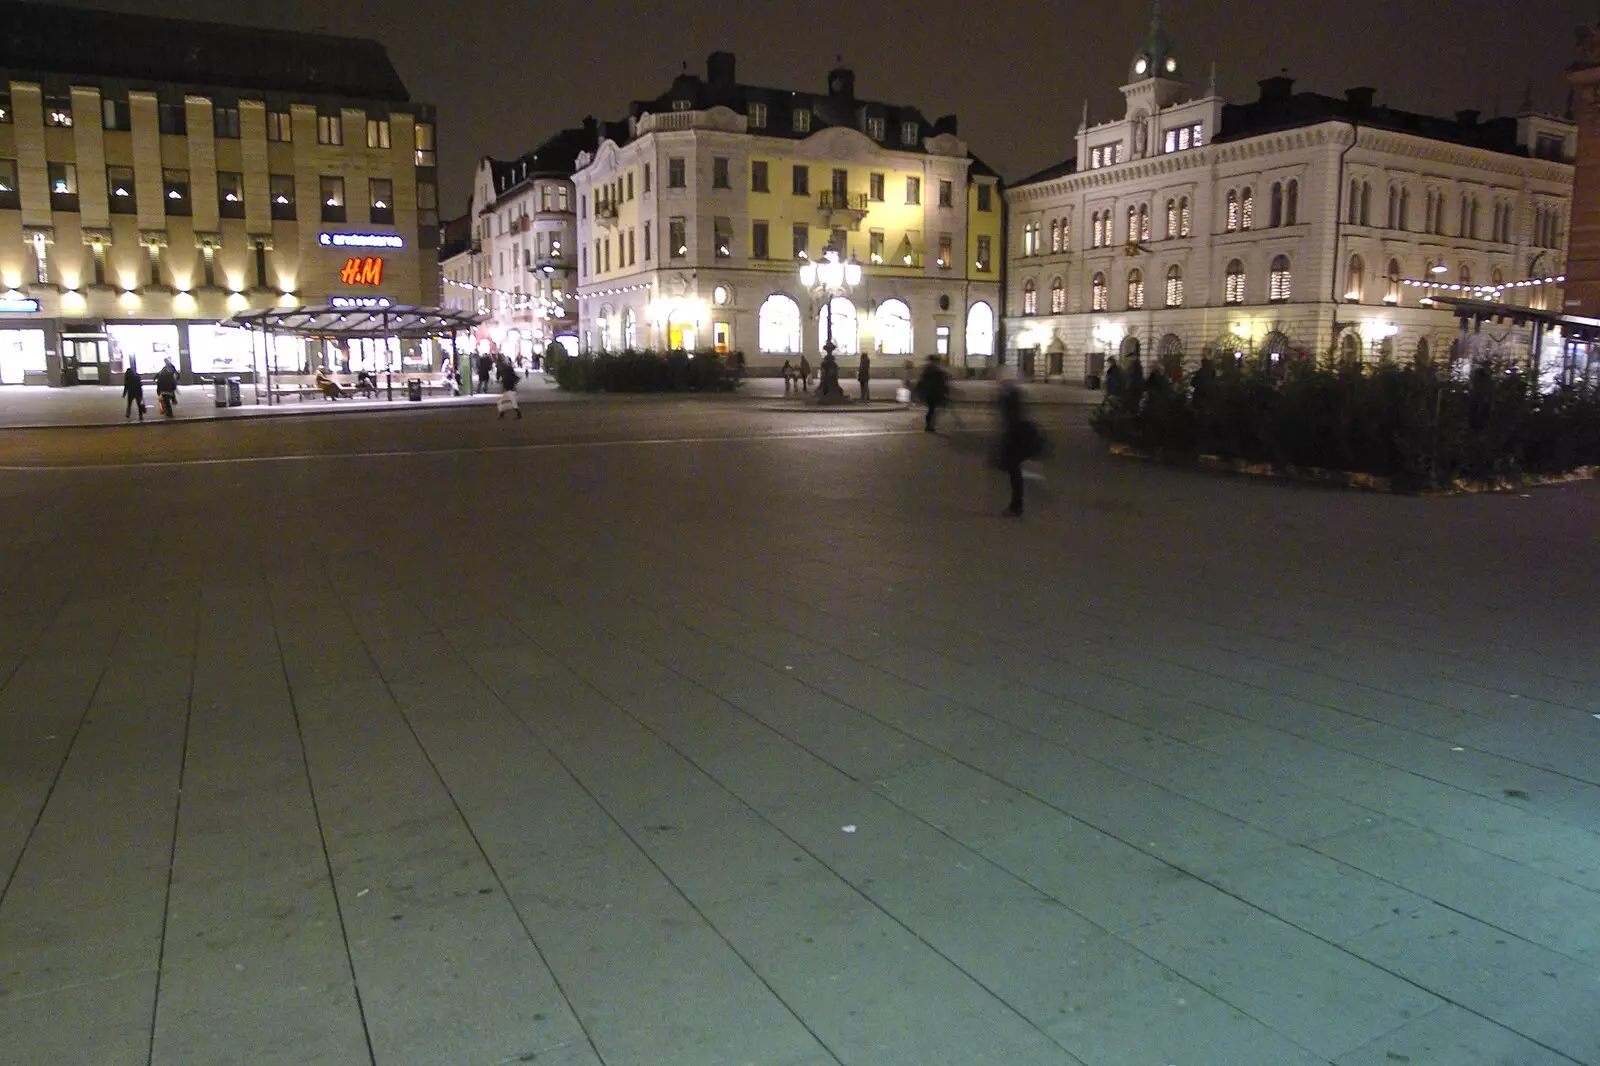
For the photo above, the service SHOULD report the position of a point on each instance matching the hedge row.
(1417, 426)
(634, 371)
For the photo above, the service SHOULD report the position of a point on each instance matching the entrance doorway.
(85, 361)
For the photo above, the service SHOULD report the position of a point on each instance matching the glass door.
(85, 362)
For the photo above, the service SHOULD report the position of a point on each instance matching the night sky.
(505, 74)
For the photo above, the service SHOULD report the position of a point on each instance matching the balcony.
(843, 209)
(552, 264)
(605, 213)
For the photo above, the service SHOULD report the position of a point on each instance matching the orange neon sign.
(362, 270)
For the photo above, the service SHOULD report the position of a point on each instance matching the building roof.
(557, 157)
(455, 236)
(1066, 166)
(55, 39)
(1279, 107)
(839, 106)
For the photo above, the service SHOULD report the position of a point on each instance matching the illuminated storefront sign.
(360, 301)
(362, 270)
(361, 240)
(18, 305)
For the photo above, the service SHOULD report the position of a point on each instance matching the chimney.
(944, 124)
(720, 70)
(1468, 118)
(1276, 90)
(842, 83)
(591, 132)
(1360, 98)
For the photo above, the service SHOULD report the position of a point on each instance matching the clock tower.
(1154, 83)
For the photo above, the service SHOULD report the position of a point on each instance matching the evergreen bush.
(638, 371)
(1416, 426)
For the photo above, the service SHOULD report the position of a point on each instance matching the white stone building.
(696, 212)
(517, 261)
(1289, 224)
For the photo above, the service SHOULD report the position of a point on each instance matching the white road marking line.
(412, 452)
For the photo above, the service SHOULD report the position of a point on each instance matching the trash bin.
(414, 389)
(235, 399)
(221, 393)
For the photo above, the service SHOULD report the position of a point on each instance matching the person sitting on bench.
(367, 383)
(330, 388)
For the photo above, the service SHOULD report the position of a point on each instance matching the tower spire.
(1211, 87)
(1083, 123)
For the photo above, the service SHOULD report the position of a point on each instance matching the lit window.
(57, 111)
(757, 115)
(908, 133)
(1233, 290)
(1392, 278)
(63, 179)
(1058, 296)
(677, 238)
(875, 128)
(913, 190)
(1233, 211)
(425, 144)
(380, 192)
(1354, 279)
(946, 193)
(985, 250)
(682, 105)
(875, 188)
(331, 191)
(1144, 222)
(722, 235)
(1135, 290)
(802, 120)
(377, 133)
(330, 129)
(1066, 234)
(5, 107)
(1055, 236)
(1185, 217)
(1096, 159)
(8, 183)
(1278, 280)
(175, 191)
(875, 247)
(1172, 219)
(802, 240)
(1174, 287)
(944, 251)
(1030, 298)
(1247, 209)
(230, 194)
(279, 127)
(1098, 298)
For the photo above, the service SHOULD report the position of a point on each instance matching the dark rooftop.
(555, 158)
(51, 39)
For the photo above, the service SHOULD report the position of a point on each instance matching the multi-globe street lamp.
(827, 280)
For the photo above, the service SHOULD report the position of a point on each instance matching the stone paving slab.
(720, 747)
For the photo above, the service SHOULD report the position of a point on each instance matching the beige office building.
(158, 175)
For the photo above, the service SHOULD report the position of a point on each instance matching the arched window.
(630, 330)
(1278, 280)
(1232, 221)
(1135, 290)
(1465, 273)
(1098, 300)
(1055, 236)
(1291, 203)
(1172, 219)
(1423, 356)
(1349, 347)
(1391, 294)
(1355, 279)
(980, 330)
(1233, 288)
(1496, 278)
(778, 325)
(607, 326)
(1174, 286)
(1462, 217)
(1105, 224)
(1405, 208)
(1066, 234)
(1185, 217)
(892, 325)
(1030, 298)
(1094, 229)
(1472, 223)
(683, 329)
(1144, 222)
(1275, 206)
(1366, 203)
(1058, 296)
(1394, 208)
(1133, 224)
(1247, 208)
(846, 340)
(1352, 211)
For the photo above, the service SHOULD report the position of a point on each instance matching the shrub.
(633, 371)
(1413, 425)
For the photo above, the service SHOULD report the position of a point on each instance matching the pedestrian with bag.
(788, 376)
(1020, 440)
(133, 391)
(167, 388)
(508, 390)
(805, 374)
(864, 375)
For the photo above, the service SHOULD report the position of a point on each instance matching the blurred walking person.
(133, 391)
(1020, 441)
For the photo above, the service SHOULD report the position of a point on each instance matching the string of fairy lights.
(517, 301)
(1482, 292)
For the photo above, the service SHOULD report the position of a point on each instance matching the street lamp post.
(827, 280)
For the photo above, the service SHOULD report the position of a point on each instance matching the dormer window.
(757, 114)
(908, 133)
(875, 128)
(802, 120)
(682, 105)
(1183, 138)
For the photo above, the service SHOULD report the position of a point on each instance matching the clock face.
(719, 295)
(1141, 65)
(837, 85)
(1172, 65)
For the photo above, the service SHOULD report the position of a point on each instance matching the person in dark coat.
(508, 389)
(167, 387)
(805, 374)
(1114, 378)
(1019, 442)
(1202, 382)
(133, 390)
(788, 375)
(933, 388)
(485, 368)
(864, 375)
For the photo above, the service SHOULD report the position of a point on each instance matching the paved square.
(667, 731)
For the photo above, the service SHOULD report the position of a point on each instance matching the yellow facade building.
(158, 175)
(696, 213)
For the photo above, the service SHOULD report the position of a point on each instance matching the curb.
(256, 411)
(1350, 479)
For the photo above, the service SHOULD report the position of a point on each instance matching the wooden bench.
(302, 387)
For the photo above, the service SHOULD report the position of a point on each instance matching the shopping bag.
(507, 402)
(902, 395)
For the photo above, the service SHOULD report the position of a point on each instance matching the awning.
(327, 322)
(1575, 327)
